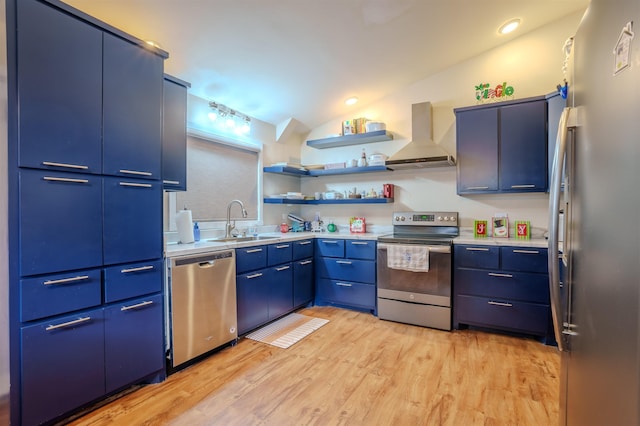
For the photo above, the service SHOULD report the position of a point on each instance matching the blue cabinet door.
(360, 249)
(174, 136)
(280, 290)
(134, 343)
(60, 88)
(252, 292)
(279, 253)
(363, 271)
(302, 249)
(60, 221)
(132, 220)
(62, 365)
(251, 258)
(477, 150)
(132, 110)
(132, 280)
(523, 147)
(329, 247)
(302, 282)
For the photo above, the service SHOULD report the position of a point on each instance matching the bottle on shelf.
(363, 159)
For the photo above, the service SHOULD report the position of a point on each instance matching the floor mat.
(288, 330)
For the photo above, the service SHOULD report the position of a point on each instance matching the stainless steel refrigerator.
(595, 287)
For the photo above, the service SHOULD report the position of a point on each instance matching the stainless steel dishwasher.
(201, 304)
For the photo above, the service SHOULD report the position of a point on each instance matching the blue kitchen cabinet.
(63, 362)
(509, 291)
(302, 249)
(251, 258)
(252, 292)
(132, 280)
(303, 282)
(345, 273)
(60, 87)
(134, 341)
(132, 220)
(502, 147)
(174, 134)
(279, 253)
(132, 110)
(60, 221)
(280, 290)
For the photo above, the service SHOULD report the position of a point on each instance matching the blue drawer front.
(56, 294)
(363, 271)
(468, 256)
(329, 247)
(506, 285)
(132, 280)
(279, 253)
(302, 249)
(251, 258)
(495, 313)
(360, 249)
(524, 259)
(346, 293)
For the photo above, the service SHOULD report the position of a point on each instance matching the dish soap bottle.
(363, 159)
(196, 232)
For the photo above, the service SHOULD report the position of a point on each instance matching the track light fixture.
(229, 119)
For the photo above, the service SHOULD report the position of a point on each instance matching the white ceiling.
(280, 59)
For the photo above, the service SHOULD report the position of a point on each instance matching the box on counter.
(523, 229)
(480, 229)
(500, 227)
(357, 225)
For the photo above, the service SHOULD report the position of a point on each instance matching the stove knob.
(439, 217)
(446, 218)
(397, 218)
(402, 218)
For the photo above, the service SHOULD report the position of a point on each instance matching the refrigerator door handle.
(554, 211)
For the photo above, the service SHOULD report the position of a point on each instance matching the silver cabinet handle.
(141, 268)
(136, 185)
(523, 186)
(359, 243)
(66, 280)
(70, 180)
(257, 250)
(306, 262)
(68, 324)
(344, 284)
(136, 306)
(304, 243)
(476, 249)
(254, 275)
(527, 251)
(329, 242)
(508, 305)
(494, 274)
(171, 182)
(68, 166)
(135, 172)
(282, 246)
(282, 268)
(344, 262)
(473, 188)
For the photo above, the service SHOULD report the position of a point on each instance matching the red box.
(357, 225)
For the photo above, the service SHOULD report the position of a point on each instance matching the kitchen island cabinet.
(502, 147)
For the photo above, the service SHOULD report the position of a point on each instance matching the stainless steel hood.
(421, 151)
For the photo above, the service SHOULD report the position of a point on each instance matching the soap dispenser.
(196, 232)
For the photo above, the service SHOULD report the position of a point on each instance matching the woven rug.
(288, 330)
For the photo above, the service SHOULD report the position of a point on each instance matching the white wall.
(532, 64)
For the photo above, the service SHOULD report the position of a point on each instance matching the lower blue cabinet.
(63, 363)
(303, 283)
(280, 298)
(252, 291)
(347, 293)
(134, 342)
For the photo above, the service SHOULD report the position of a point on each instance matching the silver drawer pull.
(344, 262)
(257, 250)
(329, 242)
(66, 280)
(68, 324)
(282, 268)
(306, 262)
(304, 243)
(523, 186)
(473, 188)
(508, 305)
(135, 172)
(171, 182)
(344, 284)
(254, 276)
(141, 268)
(476, 249)
(57, 179)
(282, 246)
(527, 251)
(494, 274)
(136, 306)
(69, 166)
(137, 185)
(359, 243)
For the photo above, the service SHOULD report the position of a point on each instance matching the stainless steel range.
(414, 269)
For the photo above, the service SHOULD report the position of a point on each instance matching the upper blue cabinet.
(502, 147)
(174, 134)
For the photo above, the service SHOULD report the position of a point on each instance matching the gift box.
(480, 229)
(522, 229)
(500, 227)
(357, 225)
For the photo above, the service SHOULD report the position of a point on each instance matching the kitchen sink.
(240, 239)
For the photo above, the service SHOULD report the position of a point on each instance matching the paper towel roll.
(185, 226)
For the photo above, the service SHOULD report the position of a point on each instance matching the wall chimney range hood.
(421, 152)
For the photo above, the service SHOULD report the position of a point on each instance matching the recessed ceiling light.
(352, 100)
(509, 26)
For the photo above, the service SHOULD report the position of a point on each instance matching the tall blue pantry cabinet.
(85, 210)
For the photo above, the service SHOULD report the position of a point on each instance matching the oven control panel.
(426, 218)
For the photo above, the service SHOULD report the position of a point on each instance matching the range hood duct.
(421, 151)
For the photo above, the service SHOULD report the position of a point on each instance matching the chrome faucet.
(229, 227)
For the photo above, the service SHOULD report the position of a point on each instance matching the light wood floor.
(356, 370)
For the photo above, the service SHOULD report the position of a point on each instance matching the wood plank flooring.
(356, 370)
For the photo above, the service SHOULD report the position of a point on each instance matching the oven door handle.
(433, 249)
